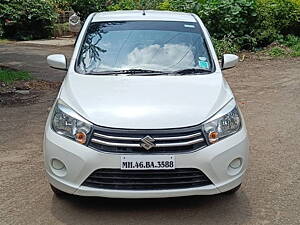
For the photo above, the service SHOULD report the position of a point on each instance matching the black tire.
(58, 192)
(233, 190)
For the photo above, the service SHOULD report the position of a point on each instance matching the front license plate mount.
(153, 162)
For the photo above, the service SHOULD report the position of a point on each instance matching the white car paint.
(57, 61)
(146, 102)
(137, 102)
(229, 61)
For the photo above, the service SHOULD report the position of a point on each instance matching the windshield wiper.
(129, 72)
(104, 73)
(191, 71)
(143, 71)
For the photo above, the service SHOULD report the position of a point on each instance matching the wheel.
(58, 192)
(233, 190)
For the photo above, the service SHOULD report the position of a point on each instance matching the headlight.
(225, 123)
(66, 122)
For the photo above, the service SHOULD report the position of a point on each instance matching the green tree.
(85, 7)
(27, 19)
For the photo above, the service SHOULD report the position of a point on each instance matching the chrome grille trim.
(176, 140)
(116, 137)
(157, 138)
(179, 137)
(156, 145)
(113, 143)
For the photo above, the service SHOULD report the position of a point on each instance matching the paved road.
(268, 92)
(33, 59)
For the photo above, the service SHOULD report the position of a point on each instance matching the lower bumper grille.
(117, 179)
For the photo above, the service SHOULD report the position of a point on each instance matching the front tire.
(233, 190)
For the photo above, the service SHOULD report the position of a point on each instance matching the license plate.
(154, 162)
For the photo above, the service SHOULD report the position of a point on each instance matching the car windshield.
(143, 47)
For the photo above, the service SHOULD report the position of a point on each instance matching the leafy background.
(233, 24)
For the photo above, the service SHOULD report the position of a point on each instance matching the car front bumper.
(81, 161)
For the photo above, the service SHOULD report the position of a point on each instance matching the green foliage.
(134, 4)
(233, 24)
(126, 5)
(179, 5)
(296, 51)
(60, 5)
(60, 29)
(276, 17)
(4, 41)
(230, 19)
(225, 46)
(226, 20)
(164, 5)
(243, 24)
(285, 46)
(276, 51)
(292, 42)
(1, 31)
(27, 19)
(9, 76)
(85, 7)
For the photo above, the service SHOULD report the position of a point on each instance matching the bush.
(61, 29)
(230, 19)
(27, 19)
(246, 23)
(292, 42)
(276, 51)
(134, 4)
(225, 19)
(84, 8)
(1, 31)
(276, 17)
(60, 5)
(225, 46)
(233, 24)
(126, 5)
(179, 5)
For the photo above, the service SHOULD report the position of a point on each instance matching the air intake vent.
(147, 179)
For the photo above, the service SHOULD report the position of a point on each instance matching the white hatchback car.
(144, 111)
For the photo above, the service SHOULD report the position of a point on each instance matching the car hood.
(146, 102)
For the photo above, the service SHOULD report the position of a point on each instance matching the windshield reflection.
(164, 46)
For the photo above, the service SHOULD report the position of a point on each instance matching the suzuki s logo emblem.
(147, 142)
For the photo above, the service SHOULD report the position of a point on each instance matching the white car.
(144, 111)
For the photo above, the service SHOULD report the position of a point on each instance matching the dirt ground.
(269, 95)
(33, 58)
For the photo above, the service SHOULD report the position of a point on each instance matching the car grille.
(165, 141)
(117, 179)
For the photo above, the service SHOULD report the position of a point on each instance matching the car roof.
(129, 15)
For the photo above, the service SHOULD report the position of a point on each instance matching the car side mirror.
(57, 61)
(229, 61)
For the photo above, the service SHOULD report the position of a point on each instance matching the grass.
(4, 41)
(8, 76)
(287, 46)
(284, 46)
(293, 43)
(277, 51)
